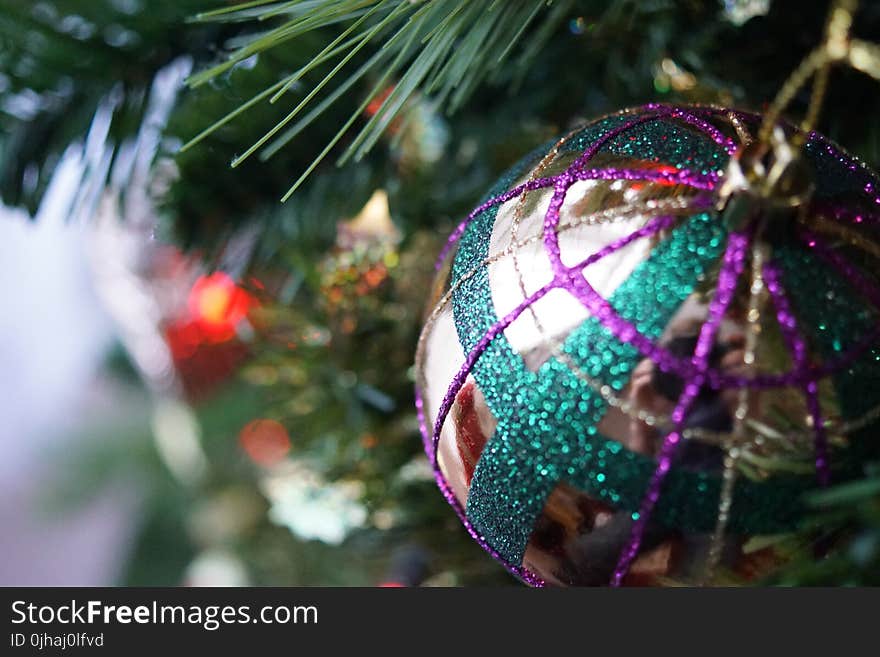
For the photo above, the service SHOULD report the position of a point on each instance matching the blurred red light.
(265, 441)
(217, 304)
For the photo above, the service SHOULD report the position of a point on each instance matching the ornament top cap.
(773, 172)
(765, 176)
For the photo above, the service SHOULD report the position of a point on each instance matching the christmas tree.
(276, 178)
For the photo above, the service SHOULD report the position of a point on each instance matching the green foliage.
(573, 61)
(210, 201)
(445, 48)
(62, 60)
(287, 90)
(844, 528)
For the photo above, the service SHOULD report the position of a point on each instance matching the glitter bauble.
(617, 384)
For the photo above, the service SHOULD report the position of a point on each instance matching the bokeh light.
(265, 441)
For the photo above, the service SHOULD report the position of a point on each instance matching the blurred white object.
(739, 12)
(311, 507)
(216, 568)
(53, 336)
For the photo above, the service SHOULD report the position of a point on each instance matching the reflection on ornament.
(621, 383)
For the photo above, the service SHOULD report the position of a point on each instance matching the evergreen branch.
(319, 109)
(61, 62)
(315, 90)
(376, 89)
(443, 47)
(272, 38)
(224, 12)
(328, 50)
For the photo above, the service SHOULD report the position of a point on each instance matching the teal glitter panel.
(549, 434)
(836, 317)
(547, 419)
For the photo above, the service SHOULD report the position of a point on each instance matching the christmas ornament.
(652, 337)
(360, 267)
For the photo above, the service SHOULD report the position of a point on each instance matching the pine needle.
(315, 90)
(333, 43)
(442, 47)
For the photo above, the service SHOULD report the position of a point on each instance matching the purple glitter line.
(473, 356)
(530, 185)
(516, 191)
(680, 177)
(432, 445)
(842, 214)
(611, 134)
(551, 221)
(731, 268)
(855, 278)
(663, 112)
(521, 572)
(652, 227)
(797, 346)
(594, 302)
(714, 133)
